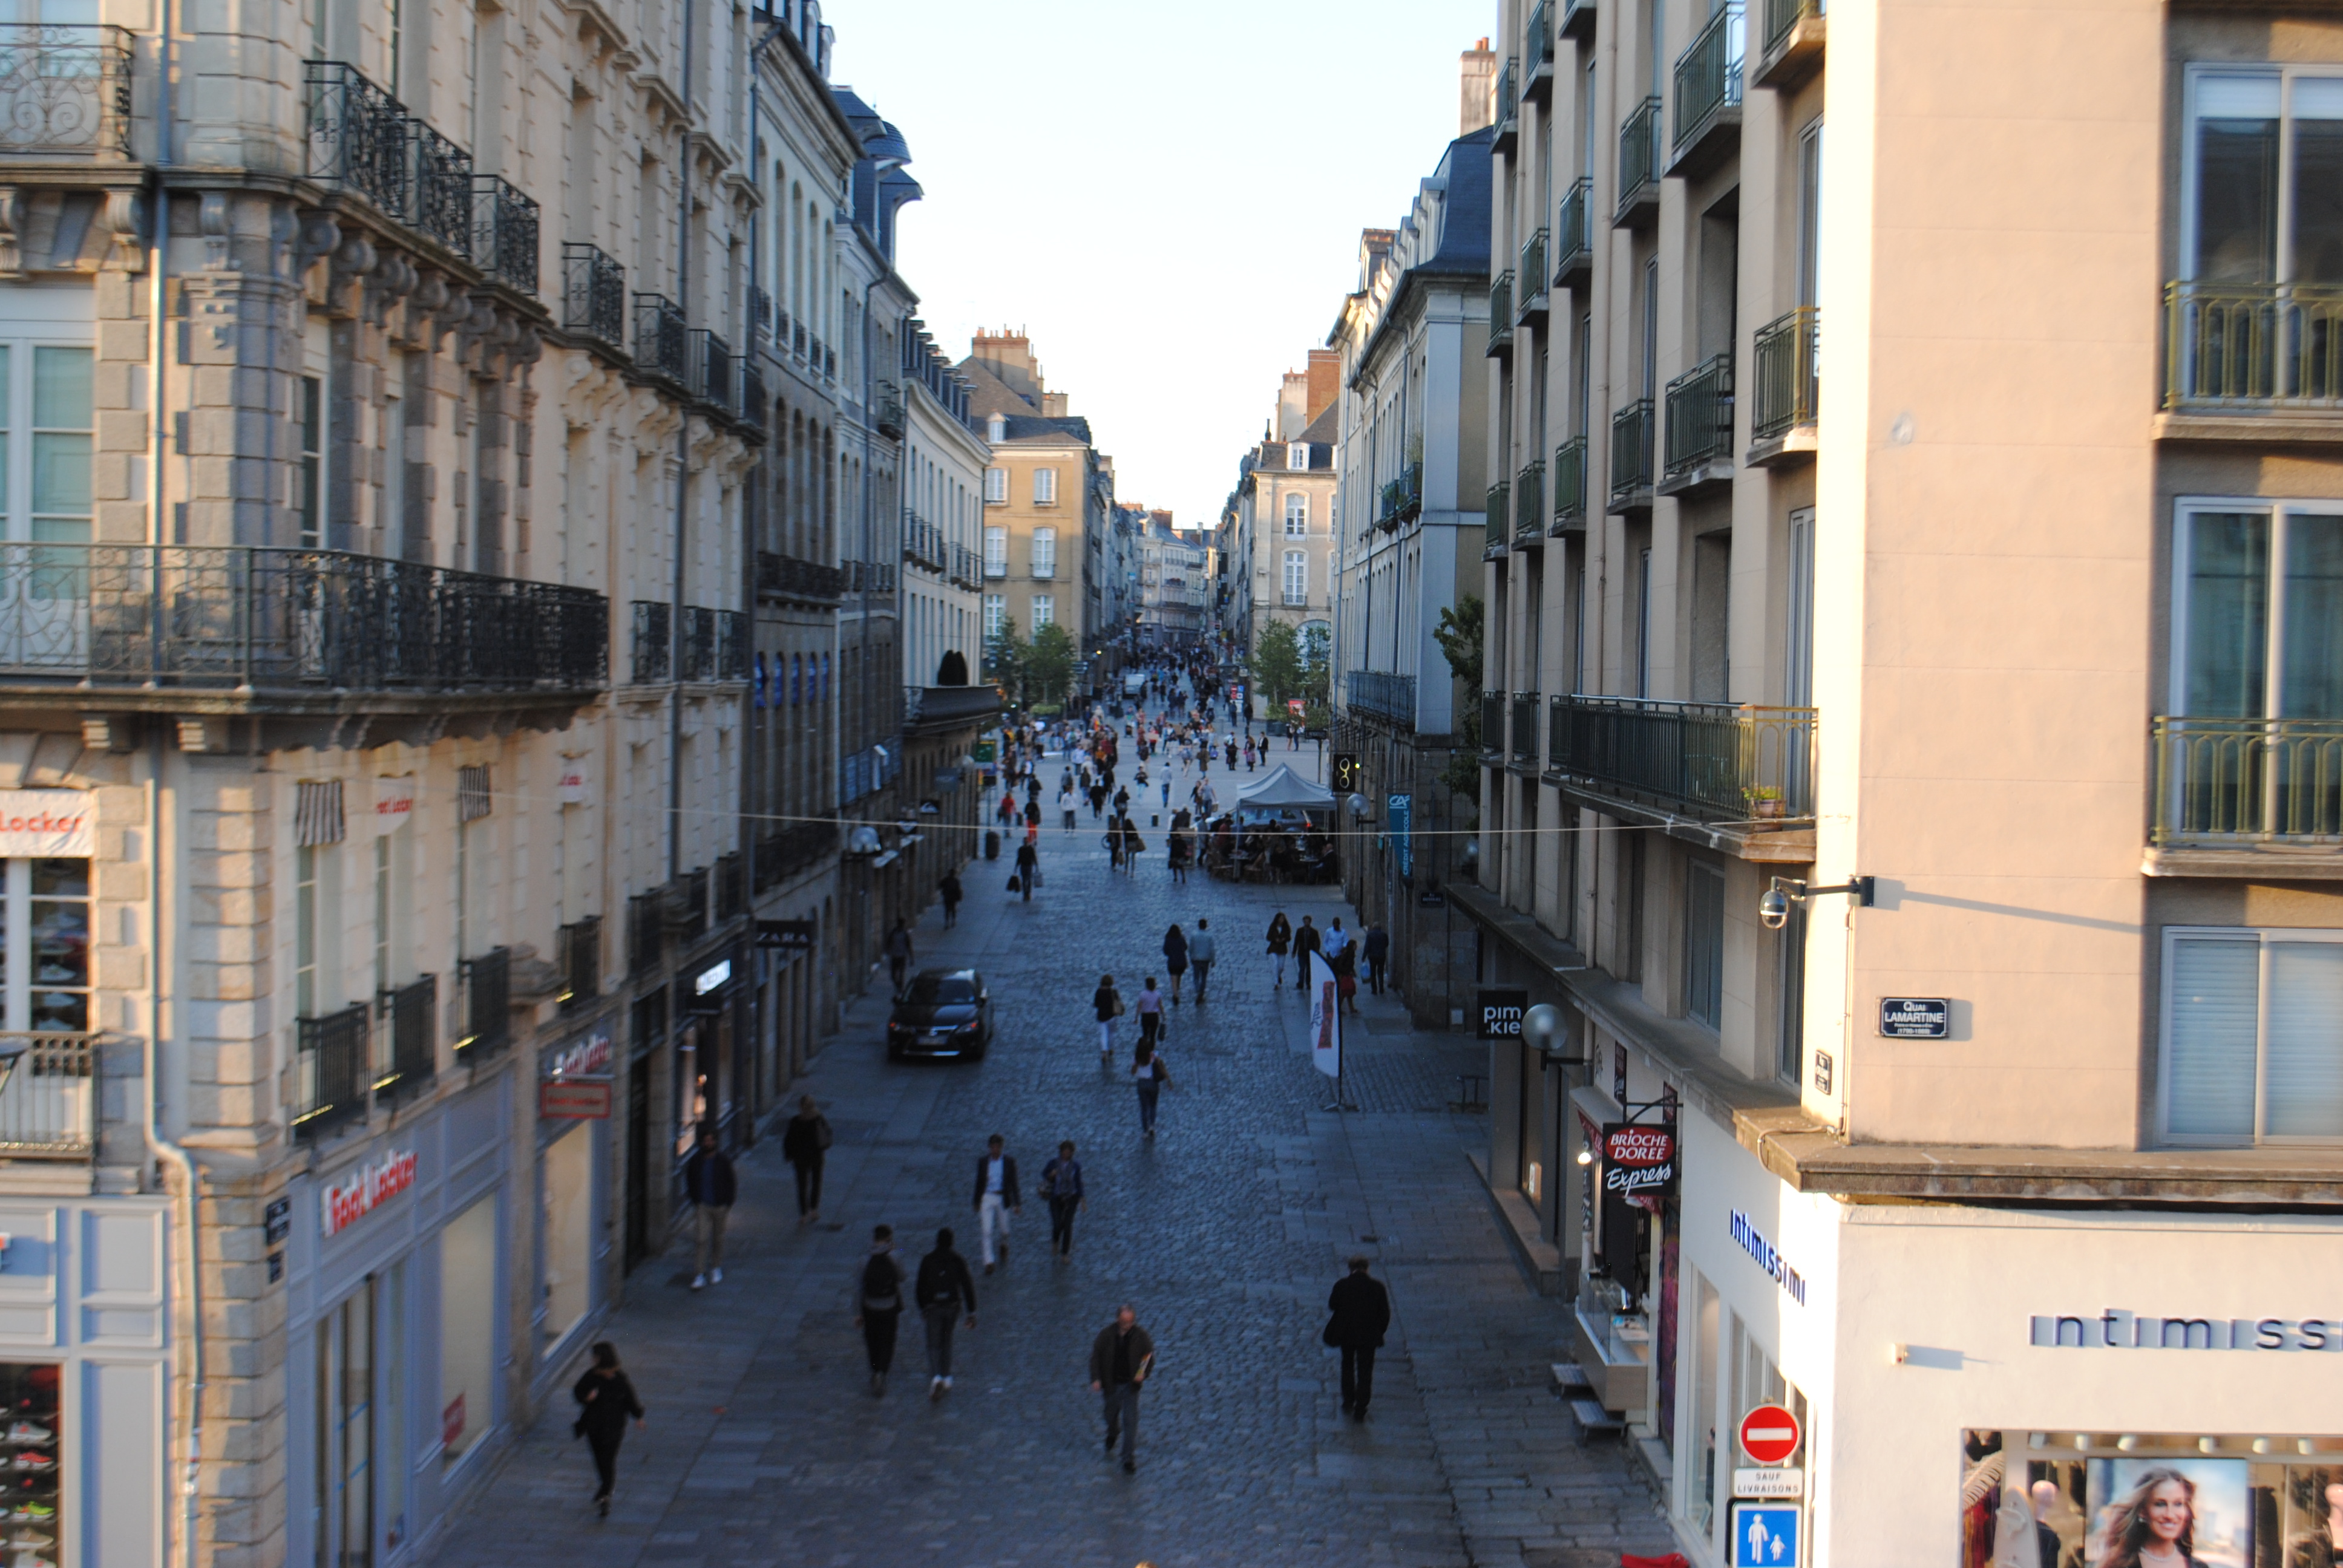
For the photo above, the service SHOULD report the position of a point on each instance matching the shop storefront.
(575, 1097)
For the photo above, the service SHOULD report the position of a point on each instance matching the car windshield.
(939, 990)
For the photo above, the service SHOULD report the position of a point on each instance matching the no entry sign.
(1769, 1434)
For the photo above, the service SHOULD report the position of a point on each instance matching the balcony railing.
(787, 576)
(1500, 515)
(1782, 18)
(487, 1005)
(731, 645)
(1708, 76)
(49, 1109)
(1382, 692)
(1569, 475)
(1532, 274)
(406, 1036)
(646, 932)
(1639, 158)
(2246, 348)
(1573, 234)
(1712, 760)
(1529, 502)
(250, 616)
(64, 90)
(711, 377)
(439, 188)
(1508, 100)
(1524, 748)
(356, 132)
(653, 641)
(2234, 781)
(334, 1068)
(760, 312)
(1788, 390)
(1631, 453)
(1501, 313)
(661, 338)
(887, 411)
(1699, 415)
(780, 856)
(577, 956)
(684, 903)
(752, 409)
(504, 234)
(1541, 35)
(699, 643)
(593, 294)
(731, 887)
(1493, 722)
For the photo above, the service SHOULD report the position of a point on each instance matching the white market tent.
(1283, 790)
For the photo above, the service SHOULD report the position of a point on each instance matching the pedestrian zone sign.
(1766, 1535)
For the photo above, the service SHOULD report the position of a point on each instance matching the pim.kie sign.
(368, 1189)
(1639, 1161)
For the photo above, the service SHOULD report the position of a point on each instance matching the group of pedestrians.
(1342, 954)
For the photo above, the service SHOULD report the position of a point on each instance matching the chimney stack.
(1477, 89)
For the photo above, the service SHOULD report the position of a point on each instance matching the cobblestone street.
(765, 1447)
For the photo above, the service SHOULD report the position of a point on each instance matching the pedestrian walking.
(1281, 936)
(1337, 938)
(1107, 1003)
(941, 1284)
(1377, 945)
(1150, 1012)
(804, 1143)
(605, 1399)
(1201, 948)
(878, 1304)
(949, 889)
(1061, 1184)
(709, 1183)
(1028, 868)
(899, 953)
(1098, 799)
(1362, 1312)
(995, 1198)
(1150, 1072)
(1066, 807)
(1167, 790)
(1306, 941)
(1176, 958)
(1122, 1358)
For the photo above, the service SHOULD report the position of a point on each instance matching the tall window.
(1705, 943)
(58, 501)
(1810, 215)
(1045, 610)
(996, 552)
(2249, 1036)
(2259, 630)
(46, 944)
(1045, 487)
(1297, 577)
(996, 606)
(996, 485)
(313, 457)
(2263, 166)
(1297, 517)
(1045, 552)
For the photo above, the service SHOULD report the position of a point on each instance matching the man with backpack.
(878, 1304)
(942, 1284)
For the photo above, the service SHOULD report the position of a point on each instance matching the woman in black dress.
(605, 1399)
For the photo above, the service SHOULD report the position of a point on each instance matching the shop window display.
(30, 1443)
(568, 1231)
(468, 1318)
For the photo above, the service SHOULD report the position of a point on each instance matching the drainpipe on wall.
(682, 475)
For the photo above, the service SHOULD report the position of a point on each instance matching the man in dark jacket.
(1362, 1310)
(942, 1284)
(708, 1183)
(805, 1143)
(995, 1200)
(1029, 860)
(1306, 940)
(899, 954)
(1377, 945)
(1121, 1357)
(879, 1303)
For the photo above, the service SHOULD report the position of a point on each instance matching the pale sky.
(1166, 196)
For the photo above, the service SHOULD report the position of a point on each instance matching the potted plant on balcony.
(1765, 803)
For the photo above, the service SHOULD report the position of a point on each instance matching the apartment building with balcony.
(2005, 669)
(1173, 568)
(1285, 513)
(1411, 461)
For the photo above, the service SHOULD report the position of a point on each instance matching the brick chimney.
(1477, 89)
(1325, 383)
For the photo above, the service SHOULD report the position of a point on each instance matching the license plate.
(931, 1040)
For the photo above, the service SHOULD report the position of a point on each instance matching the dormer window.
(1297, 455)
(996, 428)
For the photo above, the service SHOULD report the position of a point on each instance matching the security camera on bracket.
(1774, 904)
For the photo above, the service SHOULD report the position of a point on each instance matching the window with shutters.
(1045, 487)
(2250, 1019)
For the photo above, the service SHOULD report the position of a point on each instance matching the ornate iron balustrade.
(1501, 312)
(660, 337)
(1699, 415)
(1788, 390)
(754, 406)
(2248, 781)
(593, 294)
(1708, 75)
(438, 187)
(333, 1063)
(1529, 501)
(64, 90)
(1639, 156)
(577, 956)
(1569, 475)
(409, 1044)
(487, 1005)
(653, 641)
(698, 650)
(49, 1109)
(1493, 722)
(760, 311)
(270, 618)
(1384, 693)
(1574, 242)
(1532, 274)
(731, 645)
(731, 888)
(1712, 760)
(1631, 452)
(787, 576)
(711, 368)
(2237, 347)
(504, 234)
(357, 134)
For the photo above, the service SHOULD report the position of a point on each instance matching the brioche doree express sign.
(1639, 1160)
(368, 1189)
(38, 823)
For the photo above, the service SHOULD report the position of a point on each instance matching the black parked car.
(941, 1013)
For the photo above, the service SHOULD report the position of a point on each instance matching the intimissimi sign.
(2117, 1330)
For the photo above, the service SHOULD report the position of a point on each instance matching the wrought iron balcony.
(1529, 503)
(593, 294)
(731, 645)
(1639, 166)
(1710, 760)
(1533, 280)
(699, 643)
(1788, 391)
(577, 958)
(787, 576)
(1573, 234)
(439, 188)
(1524, 736)
(1795, 32)
(887, 411)
(1499, 518)
(64, 90)
(1387, 510)
(1384, 693)
(731, 887)
(711, 377)
(1493, 722)
(760, 311)
(49, 1109)
(1700, 417)
(754, 407)
(782, 854)
(661, 338)
(1569, 475)
(2253, 347)
(333, 1068)
(2222, 782)
(270, 623)
(646, 932)
(407, 1036)
(1631, 456)
(1708, 92)
(488, 1006)
(653, 641)
(504, 234)
(683, 903)
(797, 339)
(356, 135)
(1501, 316)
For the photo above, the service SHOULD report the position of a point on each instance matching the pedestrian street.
(764, 1445)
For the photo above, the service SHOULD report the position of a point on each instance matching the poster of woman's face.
(2168, 1514)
